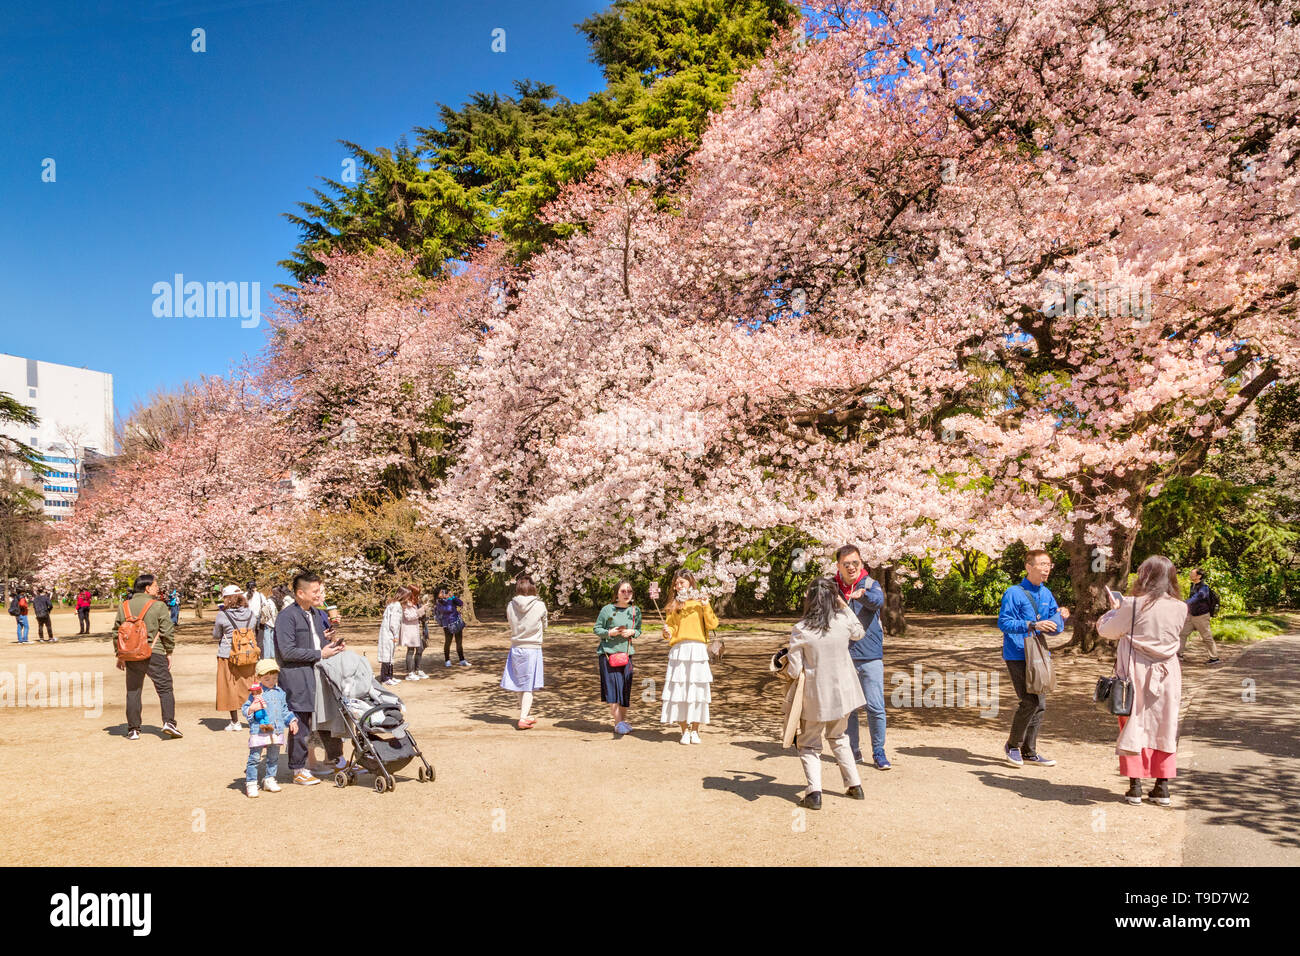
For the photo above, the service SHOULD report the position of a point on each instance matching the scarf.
(847, 589)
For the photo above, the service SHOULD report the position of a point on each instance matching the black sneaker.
(1159, 794)
(1039, 760)
(855, 793)
(813, 801)
(1212, 660)
(171, 730)
(1134, 794)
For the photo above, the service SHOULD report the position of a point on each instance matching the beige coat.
(1156, 674)
(831, 687)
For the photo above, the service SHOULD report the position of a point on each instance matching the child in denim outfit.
(266, 737)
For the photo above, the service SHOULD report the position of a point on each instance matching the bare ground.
(568, 791)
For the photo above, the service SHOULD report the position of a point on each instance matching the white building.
(75, 407)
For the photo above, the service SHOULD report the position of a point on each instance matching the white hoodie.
(527, 617)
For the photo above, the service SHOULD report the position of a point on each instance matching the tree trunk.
(1091, 573)
(466, 595)
(723, 606)
(891, 615)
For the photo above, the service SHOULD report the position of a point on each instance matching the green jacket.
(611, 615)
(158, 621)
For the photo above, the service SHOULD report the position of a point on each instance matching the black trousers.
(83, 619)
(300, 743)
(157, 671)
(1028, 716)
(448, 635)
(42, 625)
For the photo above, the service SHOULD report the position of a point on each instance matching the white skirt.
(687, 692)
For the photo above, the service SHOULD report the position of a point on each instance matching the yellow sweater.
(691, 621)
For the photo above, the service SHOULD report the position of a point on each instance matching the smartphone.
(1115, 596)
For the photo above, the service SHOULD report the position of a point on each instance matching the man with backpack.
(42, 605)
(1028, 609)
(18, 609)
(1202, 604)
(143, 646)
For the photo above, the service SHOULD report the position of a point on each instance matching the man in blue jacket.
(1027, 607)
(865, 599)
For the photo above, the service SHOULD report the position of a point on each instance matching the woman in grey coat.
(819, 649)
(233, 679)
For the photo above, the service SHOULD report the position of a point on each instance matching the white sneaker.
(250, 788)
(695, 736)
(464, 663)
(423, 675)
(446, 663)
(686, 738)
(391, 681)
(270, 786)
(412, 676)
(232, 726)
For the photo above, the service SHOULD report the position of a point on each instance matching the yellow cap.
(267, 665)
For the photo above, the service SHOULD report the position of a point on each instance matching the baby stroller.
(381, 741)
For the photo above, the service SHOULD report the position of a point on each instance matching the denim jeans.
(267, 644)
(22, 629)
(871, 674)
(272, 752)
(176, 614)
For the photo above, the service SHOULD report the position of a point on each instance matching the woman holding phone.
(617, 626)
(687, 684)
(1147, 625)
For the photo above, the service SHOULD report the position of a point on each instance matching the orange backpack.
(243, 645)
(133, 636)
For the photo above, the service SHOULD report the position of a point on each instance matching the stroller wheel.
(429, 774)
(381, 784)
(421, 775)
(341, 779)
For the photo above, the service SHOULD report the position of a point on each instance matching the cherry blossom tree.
(1089, 205)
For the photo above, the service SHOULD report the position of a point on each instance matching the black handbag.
(1115, 693)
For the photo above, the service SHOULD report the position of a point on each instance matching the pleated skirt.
(687, 685)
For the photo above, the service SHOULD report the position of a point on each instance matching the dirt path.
(1241, 744)
(569, 791)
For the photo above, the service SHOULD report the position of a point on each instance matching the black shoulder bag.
(1114, 693)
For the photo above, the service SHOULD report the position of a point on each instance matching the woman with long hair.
(1147, 625)
(409, 634)
(688, 619)
(618, 625)
(819, 649)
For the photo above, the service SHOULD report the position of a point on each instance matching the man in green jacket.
(158, 622)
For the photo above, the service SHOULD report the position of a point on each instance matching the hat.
(230, 589)
(266, 665)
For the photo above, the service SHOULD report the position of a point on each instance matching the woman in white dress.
(687, 685)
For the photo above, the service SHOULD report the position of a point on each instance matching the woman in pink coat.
(1147, 625)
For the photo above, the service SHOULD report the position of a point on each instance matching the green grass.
(1244, 628)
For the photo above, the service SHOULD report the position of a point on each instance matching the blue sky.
(170, 161)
